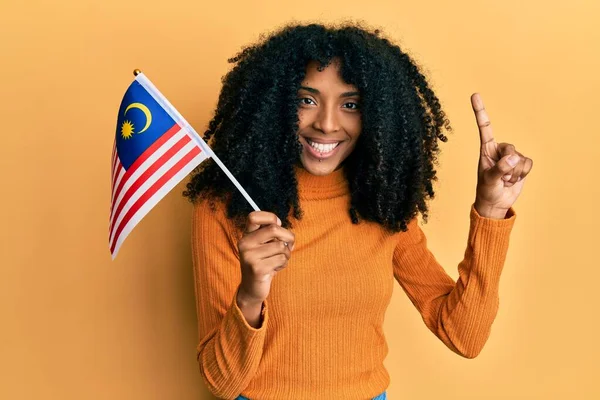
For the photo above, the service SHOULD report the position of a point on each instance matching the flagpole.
(173, 113)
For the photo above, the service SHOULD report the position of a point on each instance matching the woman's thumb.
(504, 166)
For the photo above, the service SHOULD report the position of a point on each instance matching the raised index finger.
(483, 120)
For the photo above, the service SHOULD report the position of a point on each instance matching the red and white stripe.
(158, 170)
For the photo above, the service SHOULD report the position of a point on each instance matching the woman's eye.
(306, 101)
(352, 106)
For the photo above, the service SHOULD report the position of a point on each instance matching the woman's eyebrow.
(315, 91)
(309, 89)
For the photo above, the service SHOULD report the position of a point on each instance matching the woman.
(334, 133)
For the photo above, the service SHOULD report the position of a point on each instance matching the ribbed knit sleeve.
(229, 349)
(459, 313)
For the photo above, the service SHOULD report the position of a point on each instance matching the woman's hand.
(502, 169)
(265, 249)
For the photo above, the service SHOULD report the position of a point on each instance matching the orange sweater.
(321, 336)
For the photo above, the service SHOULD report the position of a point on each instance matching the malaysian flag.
(154, 149)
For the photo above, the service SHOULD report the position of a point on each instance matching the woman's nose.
(327, 120)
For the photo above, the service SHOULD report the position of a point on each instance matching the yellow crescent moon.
(145, 110)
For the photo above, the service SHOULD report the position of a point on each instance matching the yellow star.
(127, 129)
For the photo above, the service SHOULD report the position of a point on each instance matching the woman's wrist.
(251, 309)
(489, 212)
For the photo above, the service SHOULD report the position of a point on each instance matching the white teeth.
(322, 148)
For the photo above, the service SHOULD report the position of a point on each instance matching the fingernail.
(513, 160)
(278, 221)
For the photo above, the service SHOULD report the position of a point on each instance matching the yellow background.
(76, 325)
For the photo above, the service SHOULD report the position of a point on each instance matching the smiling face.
(329, 119)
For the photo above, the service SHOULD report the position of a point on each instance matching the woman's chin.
(318, 168)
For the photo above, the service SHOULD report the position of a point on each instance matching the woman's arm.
(459, 313)
(230, 348)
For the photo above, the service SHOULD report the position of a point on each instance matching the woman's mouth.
(321, 150)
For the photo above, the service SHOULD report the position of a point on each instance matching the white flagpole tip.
(136, 72)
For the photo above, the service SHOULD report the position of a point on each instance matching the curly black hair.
(391, 169)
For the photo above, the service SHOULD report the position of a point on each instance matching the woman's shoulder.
(413, 233)
(209, 206)
(211, 213)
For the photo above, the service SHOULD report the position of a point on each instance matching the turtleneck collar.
(314, 187)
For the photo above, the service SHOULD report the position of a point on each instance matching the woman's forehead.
(328, 78)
